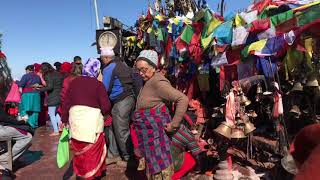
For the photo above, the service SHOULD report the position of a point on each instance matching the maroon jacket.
(86, 91)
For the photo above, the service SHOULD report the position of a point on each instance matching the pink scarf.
(230, 109)
(278, 106)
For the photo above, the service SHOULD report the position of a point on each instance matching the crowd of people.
(114, 113)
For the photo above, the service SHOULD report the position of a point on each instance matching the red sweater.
(66, 82)
(86, 91)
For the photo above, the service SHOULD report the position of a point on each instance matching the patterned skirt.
(152, 138)
(89, 159)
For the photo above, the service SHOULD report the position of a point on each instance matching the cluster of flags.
(269, 28)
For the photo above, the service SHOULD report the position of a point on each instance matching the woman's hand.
(169, 128)
(64, 125)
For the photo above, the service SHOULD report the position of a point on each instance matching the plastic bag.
(63, 148)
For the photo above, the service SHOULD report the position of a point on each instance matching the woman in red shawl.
(85, 108)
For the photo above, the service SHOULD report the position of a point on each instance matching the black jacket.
(54, 82)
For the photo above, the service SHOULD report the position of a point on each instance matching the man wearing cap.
(117, 78)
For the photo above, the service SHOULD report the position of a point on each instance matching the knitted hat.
(107, 52)
(150, 55)
(91, 68)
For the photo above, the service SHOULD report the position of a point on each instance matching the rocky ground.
(40, 162)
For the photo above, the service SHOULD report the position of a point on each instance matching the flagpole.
(97, 14)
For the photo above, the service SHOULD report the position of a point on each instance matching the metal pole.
(222, 7)
(97, 14)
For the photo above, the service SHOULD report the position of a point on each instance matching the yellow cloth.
(149, 30)
(306, 6)
(214, 23)
(140, 44)
(176, 21)
(187, 21)
(85, 123)
(257, 46)
(159, 18)
(308, 46)
(169, 28)
(239, 21)
(131, 41)
(206, 41)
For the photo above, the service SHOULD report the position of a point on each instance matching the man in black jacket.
(20, 132)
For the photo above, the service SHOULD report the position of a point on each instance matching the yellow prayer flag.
(169, 28)
(140, 44)
(257, 46)
(214, 23)
(149, 30)
(176, 21)
(206, 41)
(306, 6)
(308, 46)
(239, 21)
(159, 18)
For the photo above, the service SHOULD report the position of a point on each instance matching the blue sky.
(57, 30)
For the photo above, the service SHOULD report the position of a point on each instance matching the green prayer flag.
(217, 70)
(160, 34)
(309, 15)
(207, 16)
(199, 15)
(205, 42)
(245, 53)
(211, 26)
(187, 34)
(281, 18)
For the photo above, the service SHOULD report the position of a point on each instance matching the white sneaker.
(19, 118)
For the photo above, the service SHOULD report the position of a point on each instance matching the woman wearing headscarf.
(85, 109)
(53, 88)
(152, 120)
(30, 99)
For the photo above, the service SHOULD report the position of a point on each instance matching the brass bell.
(312, 82)
(259, 89)
(244, 100)
(224, 129)
(297, 87)
(248, 127)
(237, 133)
